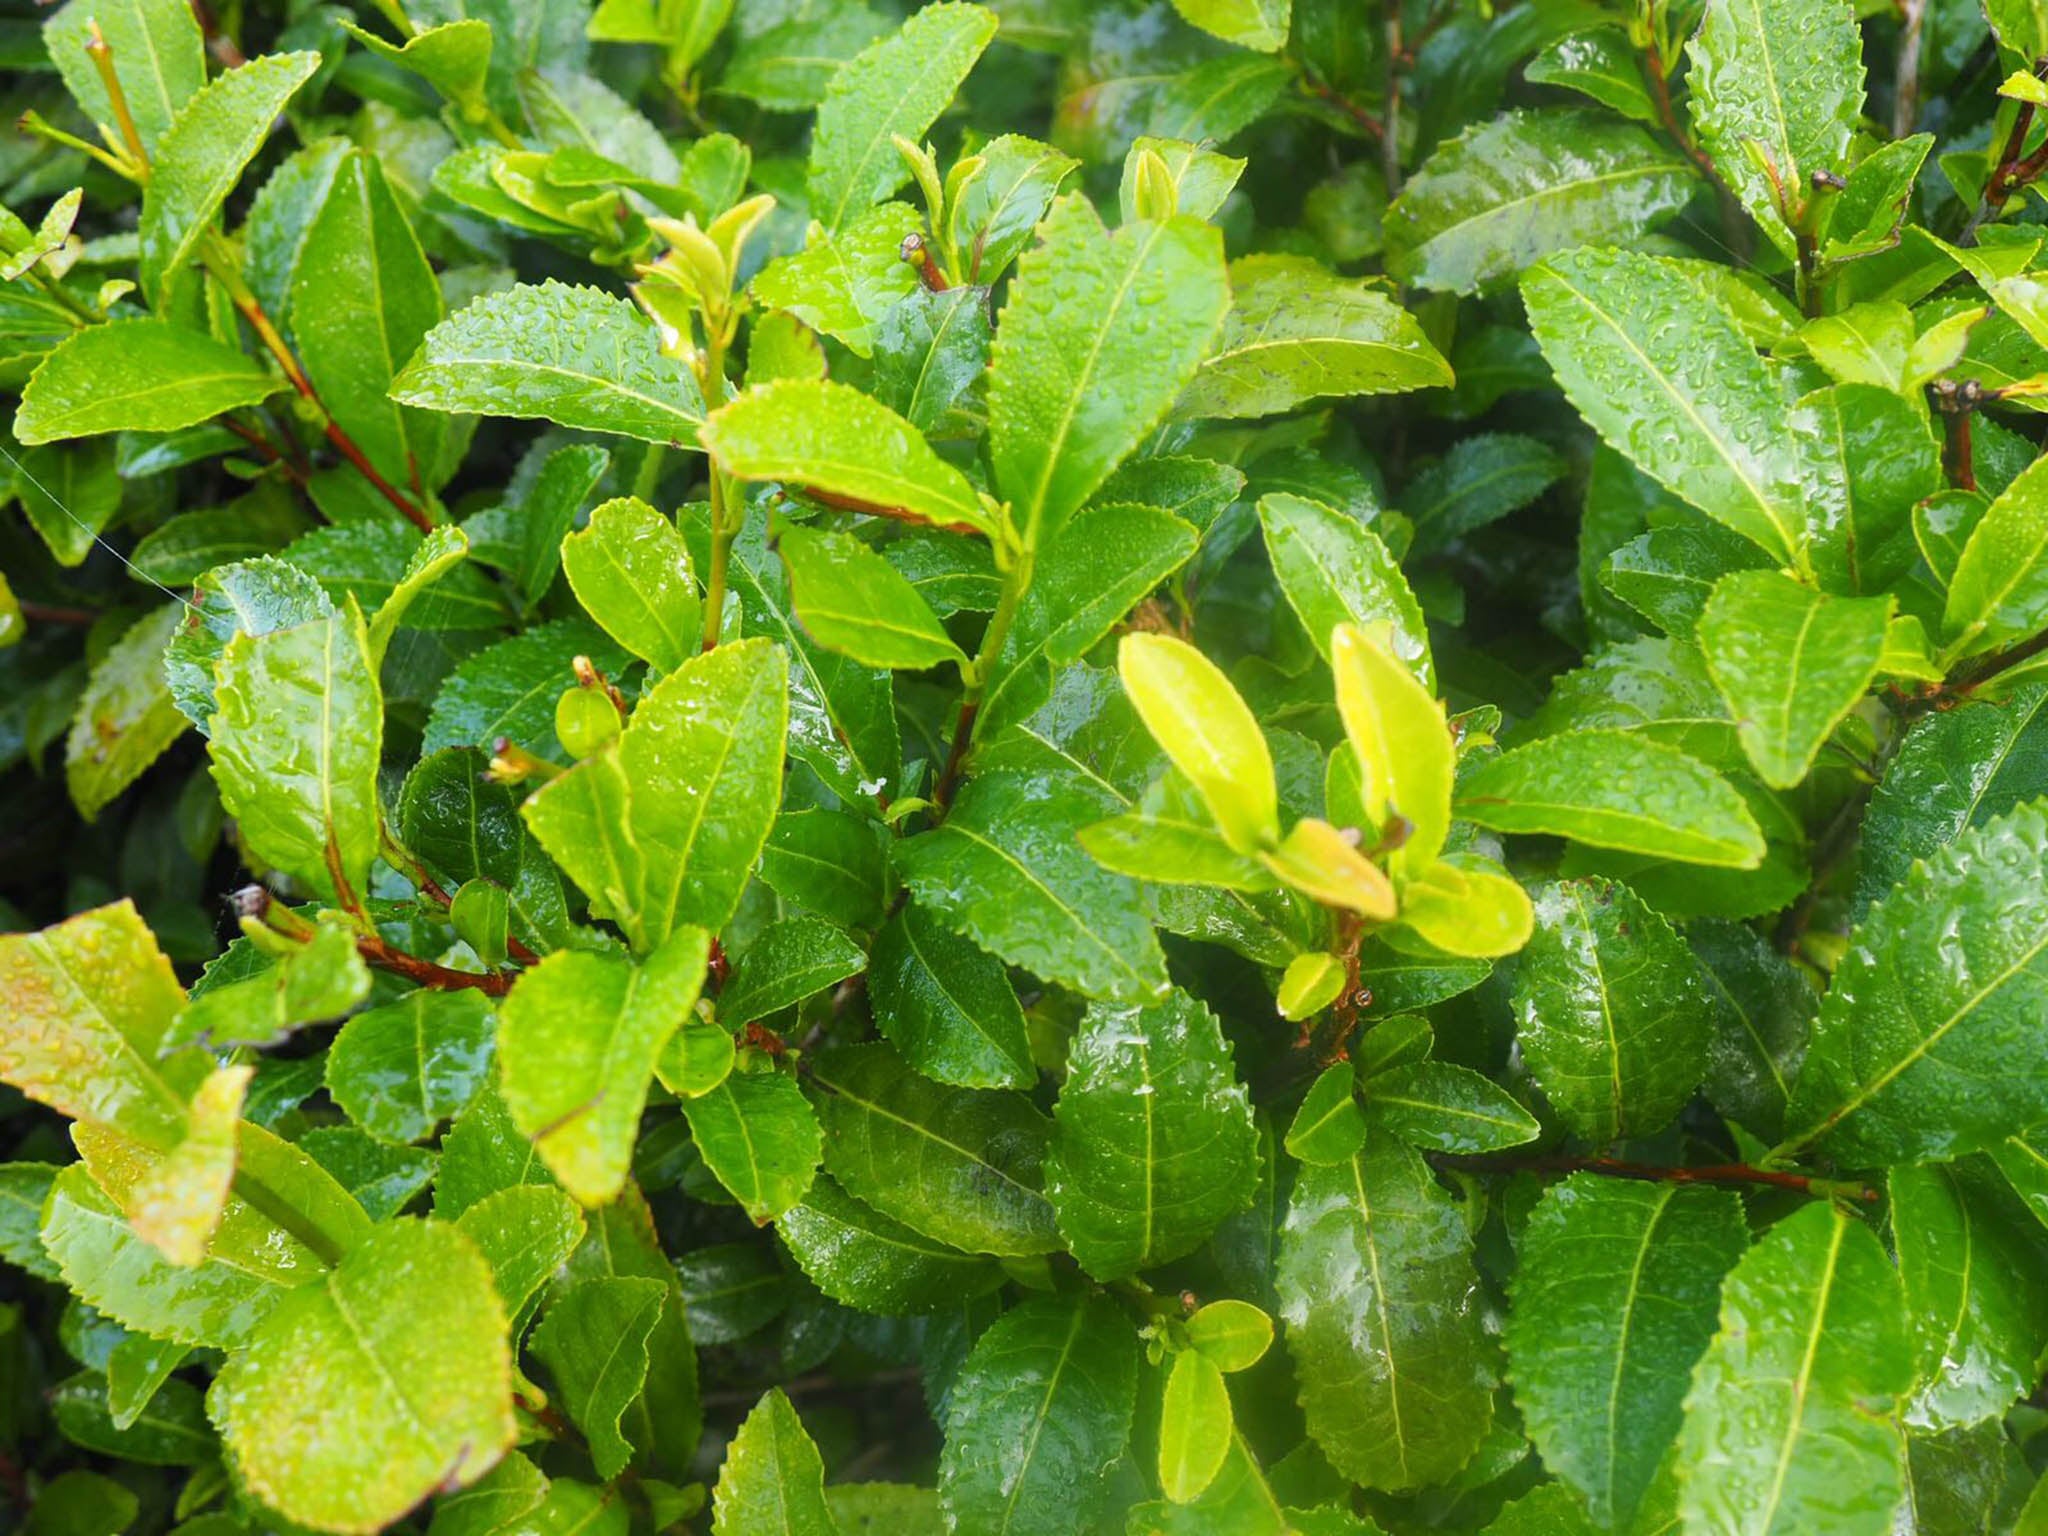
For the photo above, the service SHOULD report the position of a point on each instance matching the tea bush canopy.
(1028, 768)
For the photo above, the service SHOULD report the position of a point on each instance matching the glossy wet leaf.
(853, 601)
(630, 569)
(1335, 571)
(400, 1069)
(773, 1480)
(1999, 592)
(946, 1005)
(159, 56)
(789, 962)
(136, 375)
(758, 1135)
(1443, 1107)
(593, 1342)
(1204, 726)
(861, 1258)
(126, 717)
(1195, 1427)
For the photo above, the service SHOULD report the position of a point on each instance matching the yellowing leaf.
(1204, 726)
(1397, 730)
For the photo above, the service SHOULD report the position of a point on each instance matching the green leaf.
(1380, 1303)
(1005, 869)
(24, 1191)
(86, 1004)
(126, 718)
(1787, 1425)
(526, 1233)
(1600, 63)
(1328, 1126)
(1507, 193)
(1234, 1334)
(1152, 1142)
(897, 87)
(1999, 592)
(296, 738)
(1195, 1427)
(1919, 1053)
(1972, 1260)
(593, 1342)
(847, 282)
(577, 1041)
(861, 1258)
(947, 1005)
(1481, 480)
(1447, 1108)
(1666, 377)
(1791, 662)
(203, 153)
(319, 980)
(1614, 1298)
(157, 51)
(929, 350)
(827, 862)
(1611, 1012)
(453, 57)
(136, 376)
(830, 437)
(1297, 332)
(661, 829)
(1260, 24)
(760, 1138)
(1097, 339)
(1038, 1413)
(1334, 570)
(250, 596)
(1208, 732)
(2021, 27)
(1777, 92)
(1401, 743)
(524, 537)
(773, 1480)
(571, 355)
(401, 1069)
(853, 601)
(788, 67)
(169, 1431)
(1615, 789)
(467, 828)
(786, 963)
(957, 1165)
(991, 214)
(509, 689)
(402, 1353)
(630, 569)
(1763, 1009)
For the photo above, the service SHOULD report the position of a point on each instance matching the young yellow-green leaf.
(1999, 592)
(1441, 1107)
(759, 1138)
(577, 1041)
(1036, 1416)
(1665, 375)
(1777, 93)
(773, 1480)
(1325, 865)
(362, 301)
(856, 603)
(1791, 662)
(662, 827)
(1334, 571)
(1611, 1012)
(1297, 332)
(126, 718)
(897, 87)
(1328, 1127)
(1972, 1259)
(1313, 980)
(453, 57)
(947, 1005)
(1613, 1302)
(1403, 745)
(297, 735)
(630, 569)
(593, 1342)
(401, 1069)
(1509, 191)
(203, 154)
(831, 437)
(1099, 335)
(1204, 726)
(1468, 906)
(1234, 1334)
(1788, 1426)
(157, 51)
(388, 1381)
(1381, 1306)
(571, 355)
(84, 1006)
(176, 1206)
(1152, 1143)
(136, 376)
(958, 1165)
(1615, 789)
(992, 213)
(1195, 1427)
(526, 1233)
(1921, 1049)
(861, 1258)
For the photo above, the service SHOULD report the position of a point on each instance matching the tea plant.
(1042, 767)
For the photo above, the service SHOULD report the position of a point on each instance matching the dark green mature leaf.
(1610, 1009)
(594, 1343)
(1447, 1108)
(958, 1165)
(401, 1069)
(786, 963)
(1763, 1009)
(1921, 1048)
(1787, 1425)
(1098, 337)
(845, 283)
(1614, 1300)
(947, 1005)
(1481, 480)
(1999, 591)
(773, 1480)
(509, 689)
(136, 376)
(929, 350)
(1507, 193)
(1152, 1138)
(861, 1258)
(1380, 1303)
(1039, 1412)
(571, 355)
(759, 1137)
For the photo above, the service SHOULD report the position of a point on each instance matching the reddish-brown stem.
(1344, 1014)
(841, 503)
(55, 613)
(426, 973)
(1330, 95)
(266, 447)
(1957, 403)
(919, 254)
(2004, 661)
(956, 756)
(2015, 167)
(1614, 1168)
(218, 42)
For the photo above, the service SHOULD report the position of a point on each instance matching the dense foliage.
(1212, 769)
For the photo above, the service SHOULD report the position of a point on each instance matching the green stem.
(721, 557)
(1016, 581)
